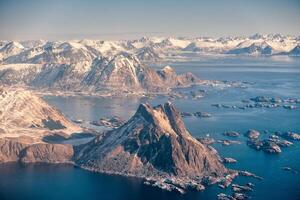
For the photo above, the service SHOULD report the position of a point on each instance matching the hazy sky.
(123, 19)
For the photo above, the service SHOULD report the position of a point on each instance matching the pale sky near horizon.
(121, 19)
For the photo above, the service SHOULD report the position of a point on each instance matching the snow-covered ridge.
(22, 113)
(94, 65)
(146, 48)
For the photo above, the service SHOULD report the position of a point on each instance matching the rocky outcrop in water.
(228, 142)
(289, 135)
(153, 144)
(196, 114)
(231, 134)
(271, 145)
(228, 160)
(252, 134)
(112, 122)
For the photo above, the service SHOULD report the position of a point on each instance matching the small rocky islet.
(273, 143)
(110, 122)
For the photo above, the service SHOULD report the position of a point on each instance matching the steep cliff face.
(10, 149)
(25, 150)
(153, 144)
(47, 153)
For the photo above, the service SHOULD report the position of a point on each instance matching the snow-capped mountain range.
(93, 65)
(146, 48)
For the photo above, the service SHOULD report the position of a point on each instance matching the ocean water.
(268, 76)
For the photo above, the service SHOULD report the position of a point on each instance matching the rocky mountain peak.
(165, 117)
(153, 144)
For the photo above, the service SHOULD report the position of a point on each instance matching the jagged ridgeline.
(153, 144)
(122, 72)
(94, 65)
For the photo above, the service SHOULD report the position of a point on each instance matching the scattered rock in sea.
(241, 188)
(250, 184)
(255, 144)
(177, 95)
(186, 114)
(238, 192)
(174, 185)
(240, 196)
(290, 107)
(252, 134)
(227, 180)
(228, 142)
(245, 101)
(290, 169)
(289, 135)
(196, 95)
(274, 137)
(206, 140)
(271, 145)
(226, 106)
(223, 196)
(261, 99)
(231, 133)
(249, 174)
(275, 102)
(281, 143)
(228, 160)
(292, 100)
(217, 105)
(196, 114)
(112, 122)
(263, 102)
(202, 114)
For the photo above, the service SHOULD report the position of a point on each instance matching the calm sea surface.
(274, 77)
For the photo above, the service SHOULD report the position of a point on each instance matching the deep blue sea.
(268, 76)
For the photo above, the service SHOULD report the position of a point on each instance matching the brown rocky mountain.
(25, 119)
(154, 144)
